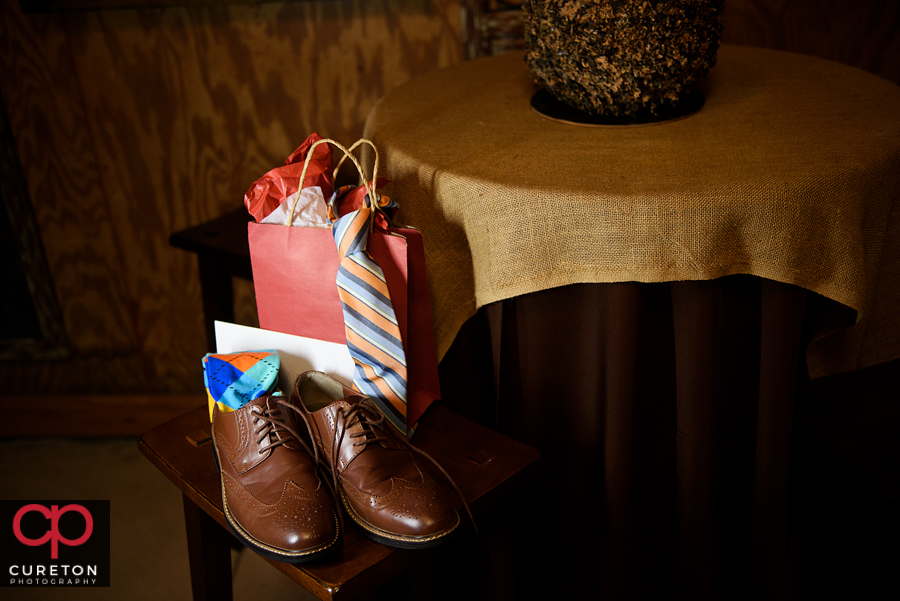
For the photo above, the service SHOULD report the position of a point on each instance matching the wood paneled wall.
(133, 124)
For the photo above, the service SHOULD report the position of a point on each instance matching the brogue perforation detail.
(272, 499)
(290, 492)
(373, 501)
(232, 452)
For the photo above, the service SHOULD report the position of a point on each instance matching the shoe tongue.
(359, 419)
(367, 428)
(387, 438)
(273, 409)
(272, 406)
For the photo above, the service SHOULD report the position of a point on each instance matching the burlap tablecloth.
(790, 171)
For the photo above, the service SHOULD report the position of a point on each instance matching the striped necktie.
(373, 336)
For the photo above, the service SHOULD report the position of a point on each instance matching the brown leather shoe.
(381, 486)
(272, 496)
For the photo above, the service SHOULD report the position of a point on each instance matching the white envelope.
(297, 354)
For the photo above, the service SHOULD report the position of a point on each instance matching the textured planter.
(622, 58)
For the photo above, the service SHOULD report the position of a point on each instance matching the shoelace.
(272, 426)
(278, 429)
(371, 419)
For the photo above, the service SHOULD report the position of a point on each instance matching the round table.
(644, 304)
(790, 171)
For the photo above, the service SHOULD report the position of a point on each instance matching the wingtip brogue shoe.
(272, 496)
(377, 478)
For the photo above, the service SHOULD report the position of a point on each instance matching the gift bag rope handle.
(350, 153)
(370, 186)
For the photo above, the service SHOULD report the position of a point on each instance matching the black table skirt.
(664, 415)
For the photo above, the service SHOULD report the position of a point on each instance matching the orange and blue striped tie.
(373, 336)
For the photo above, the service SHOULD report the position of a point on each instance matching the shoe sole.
(391, 539)
(263, 549)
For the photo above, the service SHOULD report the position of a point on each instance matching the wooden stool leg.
(218, 295)
(209, 551)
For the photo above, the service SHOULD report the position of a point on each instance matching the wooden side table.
(485, 465)
(222, 251)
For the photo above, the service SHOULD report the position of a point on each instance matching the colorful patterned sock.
(234, 379)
